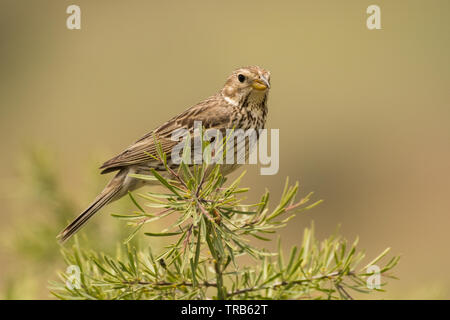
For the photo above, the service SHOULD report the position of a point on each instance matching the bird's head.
(246, 83)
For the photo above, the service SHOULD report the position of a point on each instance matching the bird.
(241, 103)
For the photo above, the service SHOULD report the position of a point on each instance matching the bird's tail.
(110, 193)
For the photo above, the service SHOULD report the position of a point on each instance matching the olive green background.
(364, 116)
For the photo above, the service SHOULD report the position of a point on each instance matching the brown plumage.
(241, 104)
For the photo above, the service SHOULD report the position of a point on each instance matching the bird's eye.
(241, 78)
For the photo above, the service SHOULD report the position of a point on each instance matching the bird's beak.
(261, 84)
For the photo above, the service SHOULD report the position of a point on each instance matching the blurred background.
(364, 118)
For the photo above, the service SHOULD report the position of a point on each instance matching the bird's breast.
(251, 116)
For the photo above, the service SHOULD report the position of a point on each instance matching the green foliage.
(38, 208)
(211, 253)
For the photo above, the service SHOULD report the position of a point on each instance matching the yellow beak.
(260, 84)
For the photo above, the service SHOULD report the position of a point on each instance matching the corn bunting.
(242, 104)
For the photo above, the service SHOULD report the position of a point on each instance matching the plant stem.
(219, 281)
(212, 238)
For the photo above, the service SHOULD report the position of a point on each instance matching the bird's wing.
(213, 113)
(137, 153)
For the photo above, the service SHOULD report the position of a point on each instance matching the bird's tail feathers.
(104, 198)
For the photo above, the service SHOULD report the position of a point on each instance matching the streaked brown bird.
(241, 104)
